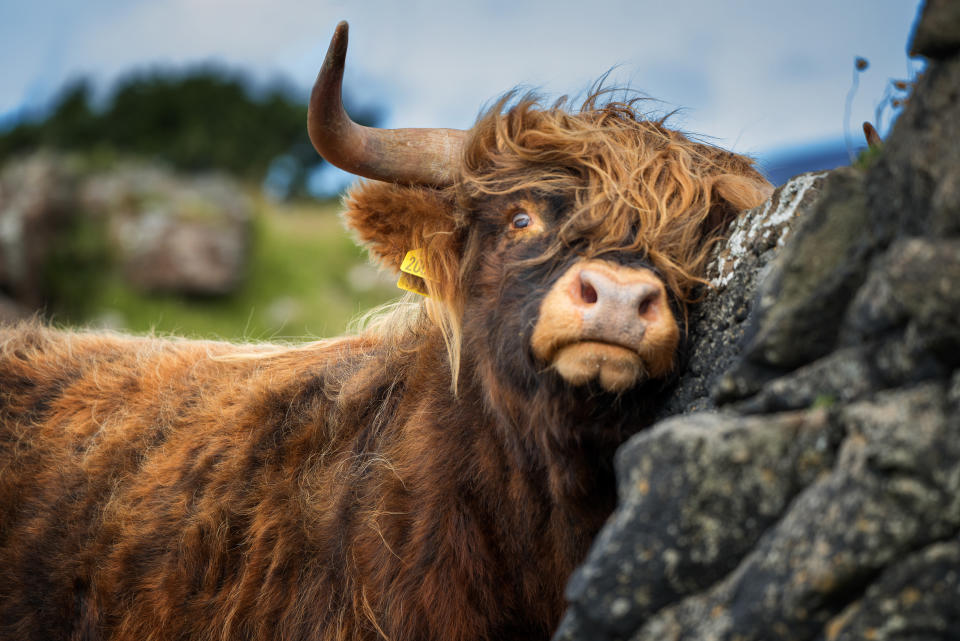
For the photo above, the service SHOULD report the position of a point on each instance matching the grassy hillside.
(307, 279)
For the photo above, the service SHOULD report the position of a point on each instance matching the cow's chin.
(614, 367)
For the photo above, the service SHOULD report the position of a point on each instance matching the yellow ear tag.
(414, 270)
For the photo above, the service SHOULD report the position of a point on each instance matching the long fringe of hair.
(636, 185)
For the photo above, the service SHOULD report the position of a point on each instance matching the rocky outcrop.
(174, 234)
(36, 196)
(63, 225)
(10, 312)
(717, 325)
(804, 482)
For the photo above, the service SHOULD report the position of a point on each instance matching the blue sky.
(754, 76)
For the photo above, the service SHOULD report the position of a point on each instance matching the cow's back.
(138, 475)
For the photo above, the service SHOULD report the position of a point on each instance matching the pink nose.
(623, 296)
(616, 306)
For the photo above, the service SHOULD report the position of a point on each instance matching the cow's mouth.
(606, 322)
(615, 367)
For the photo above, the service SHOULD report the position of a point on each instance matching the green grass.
(823, 401)
(868, 157)
(307, 279)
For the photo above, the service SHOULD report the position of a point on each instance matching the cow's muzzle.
(606, 322)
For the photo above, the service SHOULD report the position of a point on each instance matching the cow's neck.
(554, 451)
(499, 486)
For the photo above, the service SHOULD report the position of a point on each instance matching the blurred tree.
(204, 118)
(72, 122)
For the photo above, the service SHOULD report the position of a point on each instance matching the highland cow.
(436, 476)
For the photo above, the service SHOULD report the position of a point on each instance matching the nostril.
(646, 303)
(587, 293)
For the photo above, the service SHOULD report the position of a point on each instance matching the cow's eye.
(521, 220)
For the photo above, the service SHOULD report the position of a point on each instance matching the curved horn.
(415, 156)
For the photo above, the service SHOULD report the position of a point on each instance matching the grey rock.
(901, 328)
(11, 311)
(937, 34)
(175, 234)
(914, 188)
(815, 492)
(814, 277)
(915, 282)
(844, 375)
(891, 491)
(717, 324)
(737, 476)
(915, 599)
(802, 299)
(36, 196)
(162, 231)
(185, 257)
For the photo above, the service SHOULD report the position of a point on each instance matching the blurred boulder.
(64, 226)
(37, 203)
(11, 311)
(174, 234)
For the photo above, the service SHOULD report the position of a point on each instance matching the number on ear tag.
(414, 273)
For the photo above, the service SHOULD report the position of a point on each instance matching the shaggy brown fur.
(348, 489)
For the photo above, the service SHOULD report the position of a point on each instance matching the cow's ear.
(391, 220)
(732, 193)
